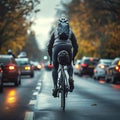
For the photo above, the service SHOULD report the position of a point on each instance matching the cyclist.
(11, 53)
(55, 46)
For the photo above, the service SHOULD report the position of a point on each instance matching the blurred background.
(26, 25)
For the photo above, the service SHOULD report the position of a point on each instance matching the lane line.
(32, 102)
(39, 83)
(35, 93)
(38, 88)
(29, 116)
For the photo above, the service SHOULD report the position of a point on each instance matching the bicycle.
(63, 84)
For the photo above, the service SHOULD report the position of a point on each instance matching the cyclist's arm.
(74, 44)
(50, 45)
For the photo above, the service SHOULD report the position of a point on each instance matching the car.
(11, 72)
(100, 69)
(48, 66)
(113, 71)
(22, 55)
(77, 67)
(1, 79)
(87, 65)
(36, 65)
(25, 66)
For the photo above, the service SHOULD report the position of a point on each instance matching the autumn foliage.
(96, 24)
(15, 21)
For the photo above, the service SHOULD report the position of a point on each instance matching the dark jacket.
(55, 42)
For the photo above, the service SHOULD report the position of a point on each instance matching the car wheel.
(94, 77)
(80, 74)
(106, 79)
(32, 75)
(17, 80)
(98, 78)
(114, 80)
(1, 87)
(91, 75)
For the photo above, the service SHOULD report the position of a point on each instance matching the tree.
(33, 51)
(14, 23)
(96, 25)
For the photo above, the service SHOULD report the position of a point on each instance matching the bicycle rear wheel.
(63, 95)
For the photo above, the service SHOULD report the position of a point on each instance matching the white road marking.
(38, 88)
(29, 116)
(32, 102)
(35, 93)
(39, 83)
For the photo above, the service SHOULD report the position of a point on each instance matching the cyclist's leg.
(55, 70)
(55, 64)
(55, 77)
(55, 74)
(69, 66)
(71, 81)
(70, 72)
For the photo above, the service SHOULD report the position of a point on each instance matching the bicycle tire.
(1, 86)
(63, 94)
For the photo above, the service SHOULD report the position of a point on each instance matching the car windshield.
(89, 61)
(4, 60)
(107, 62)
(22, 61)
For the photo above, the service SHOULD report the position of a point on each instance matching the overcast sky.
(44, 20)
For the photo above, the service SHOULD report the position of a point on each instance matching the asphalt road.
(91, 100)
(33, 100)
(15, 101)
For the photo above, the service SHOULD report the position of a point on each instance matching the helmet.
(63, 20)
(63, 57)
(10, 51)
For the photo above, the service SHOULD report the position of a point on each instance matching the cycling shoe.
(55, 91)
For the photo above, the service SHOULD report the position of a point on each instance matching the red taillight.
(84, 65)
(50, 66)
(11, 67)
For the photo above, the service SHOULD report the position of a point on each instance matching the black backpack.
(63, 30)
